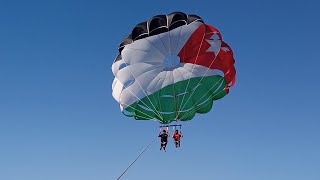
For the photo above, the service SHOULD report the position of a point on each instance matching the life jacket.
(176, 137)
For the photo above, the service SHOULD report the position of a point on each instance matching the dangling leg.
(164, 146)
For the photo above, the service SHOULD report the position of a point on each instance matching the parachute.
(171, 67)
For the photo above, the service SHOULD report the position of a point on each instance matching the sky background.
(59, 121)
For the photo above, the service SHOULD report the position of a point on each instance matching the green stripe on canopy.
(181, 100)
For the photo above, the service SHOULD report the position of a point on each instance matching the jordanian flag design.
(172, 67)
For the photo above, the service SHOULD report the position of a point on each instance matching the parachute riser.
(174, 127)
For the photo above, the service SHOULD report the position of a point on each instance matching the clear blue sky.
(59, 121)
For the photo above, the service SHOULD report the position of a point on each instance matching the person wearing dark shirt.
(164, 140)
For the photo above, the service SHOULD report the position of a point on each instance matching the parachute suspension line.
(141, 101)
(216, 55)
(160, 90)
(170, 52)
(215, 94)
(191, 74)
(135, 109)
(159, 104)
(144, 149)
(200, 82)
(173, 87)
(154, 46)
(143, 92)
(139, 111)
(179, 38)
(175, 99)
(170, 61)
(195, 109)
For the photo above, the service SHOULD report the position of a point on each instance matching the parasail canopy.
(172, 67)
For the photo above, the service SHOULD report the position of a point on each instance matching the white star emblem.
(215, 44)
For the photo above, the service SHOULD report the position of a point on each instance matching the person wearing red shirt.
(176, 136)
